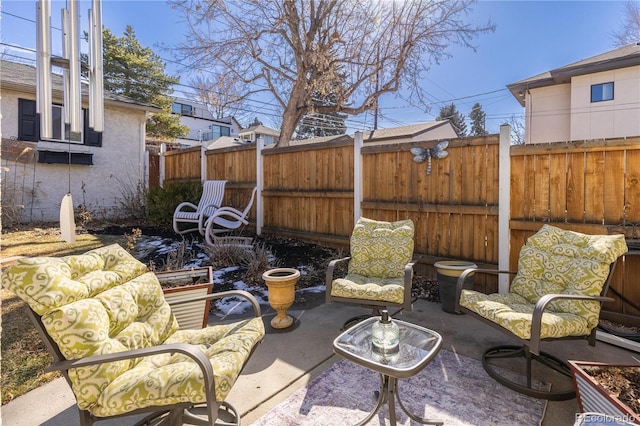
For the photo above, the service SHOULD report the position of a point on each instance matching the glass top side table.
(418, 347)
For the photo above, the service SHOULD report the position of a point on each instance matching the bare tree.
(517, 129)
(295, 48)
(220, 94)
(629, 30)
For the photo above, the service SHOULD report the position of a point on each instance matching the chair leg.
(544, 359)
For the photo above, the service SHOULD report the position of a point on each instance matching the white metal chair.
(226, 219)
(210, 201)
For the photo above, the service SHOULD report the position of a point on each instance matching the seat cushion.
(381, 249)
(553, 261)
(355, 286)
(170, 379)
(514, 313)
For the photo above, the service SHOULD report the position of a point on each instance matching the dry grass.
(24, 357)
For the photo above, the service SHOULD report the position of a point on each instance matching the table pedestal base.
(389, 394)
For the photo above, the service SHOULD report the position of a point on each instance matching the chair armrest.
(208, 206)
(466, 273)
(227, 209)
(214, 296)
(408, 281)
(329, 276)
(191, 351)
(229, 212)
(538, 310)
(185, 204)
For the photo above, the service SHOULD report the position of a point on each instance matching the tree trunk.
(294, 110)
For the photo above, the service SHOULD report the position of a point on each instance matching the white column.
(357, 176)
(259, 184)
(203, 163)
(163, 150)
(504, 206)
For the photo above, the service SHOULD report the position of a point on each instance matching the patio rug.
(453, 388)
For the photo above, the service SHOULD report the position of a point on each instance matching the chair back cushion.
(381, 249)
(565, 262)
(100, 302)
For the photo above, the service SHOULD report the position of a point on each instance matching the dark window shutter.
(28, 121)
(90, 136)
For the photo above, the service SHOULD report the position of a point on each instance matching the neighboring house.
(423, 132)
(429, 131)
(203, 127)
(251, 134)
(227, 142)
(595, 98)
(99, 169)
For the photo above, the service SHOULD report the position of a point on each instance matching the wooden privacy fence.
(308, 193)
(591, 187)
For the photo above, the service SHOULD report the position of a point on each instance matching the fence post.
(145, 170)
(357, 176)
(163, 150)
(504, 206)
(259, 183)
(203, 163)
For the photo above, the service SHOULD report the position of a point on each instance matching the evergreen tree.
(137, 72)
(478, 118)
(321, 124)
(255, 122)
(449, 112)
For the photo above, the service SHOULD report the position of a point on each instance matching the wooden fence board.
(541, 188)
(594, 187)
(575, 187)
(517, 187)
(558, 187)
(614, 187)
(529, 188)
(491, 179)
(632, 187)
(457, 181)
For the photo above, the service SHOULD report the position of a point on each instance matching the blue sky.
(531, 37)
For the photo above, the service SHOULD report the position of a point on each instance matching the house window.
(61, 130)
(29, 125)
(216, 132)
(182, 109)
(602, 92)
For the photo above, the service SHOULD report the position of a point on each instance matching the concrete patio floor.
(287, 361)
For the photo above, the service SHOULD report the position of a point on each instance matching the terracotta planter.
(594, 398)
(281, 283)
(184, 284)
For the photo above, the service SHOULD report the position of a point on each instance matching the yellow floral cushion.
(380, 252)
(369, 288)
(105, 302)
(553, 261)
(381, 249)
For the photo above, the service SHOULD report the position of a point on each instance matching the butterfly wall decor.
(438, 151)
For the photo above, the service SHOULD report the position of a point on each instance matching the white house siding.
(617, 118)
(118, 164)
(547, 114)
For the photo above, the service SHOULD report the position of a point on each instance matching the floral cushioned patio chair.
(110, 331)
(557, 293)
(380, 269)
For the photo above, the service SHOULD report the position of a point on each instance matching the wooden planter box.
(185, 284)
(594, 398)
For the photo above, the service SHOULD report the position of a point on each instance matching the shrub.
(162, 202)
